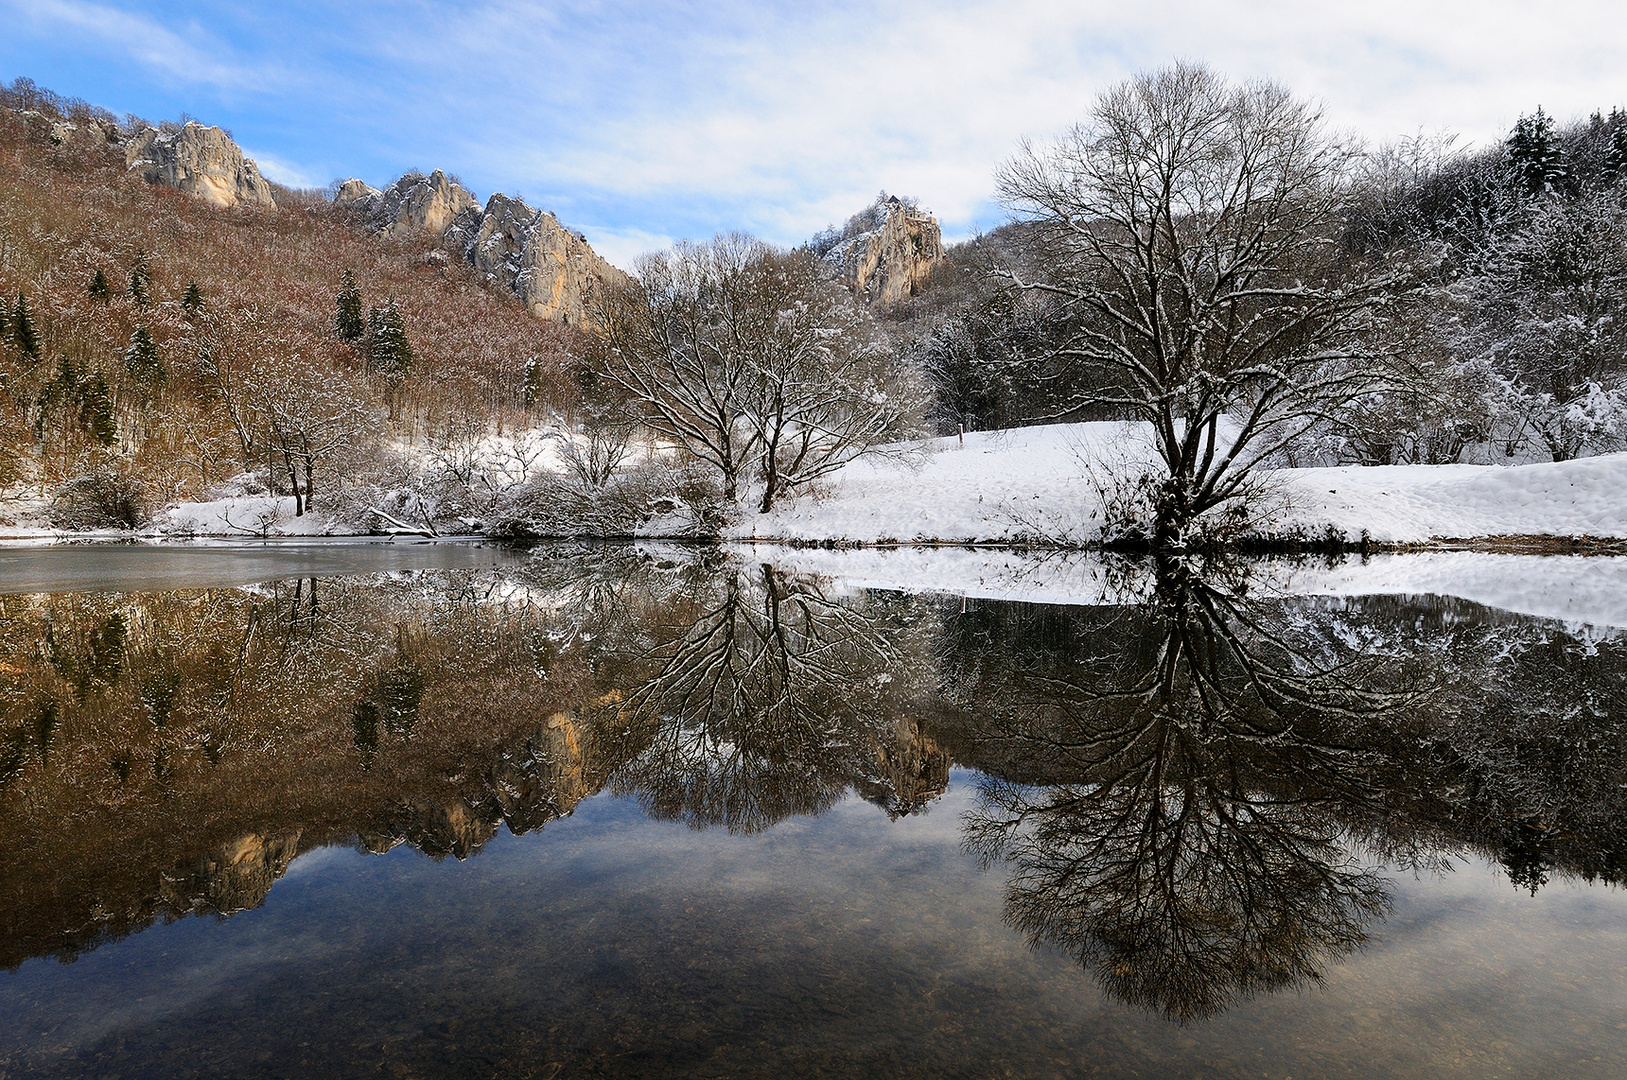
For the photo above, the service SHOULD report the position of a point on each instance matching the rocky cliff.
(525, 251)
(201, 161)
(892, 262)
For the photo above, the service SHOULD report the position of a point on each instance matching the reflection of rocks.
(542, 780)
(235, 876)
(914, 770)
(525, 787)
(201, 161)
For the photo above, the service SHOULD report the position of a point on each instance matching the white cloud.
(282, 171)
(668, 118)
(191, 57)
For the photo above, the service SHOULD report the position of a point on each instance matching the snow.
(1576, 590)
(243, 515)
(1035, 484)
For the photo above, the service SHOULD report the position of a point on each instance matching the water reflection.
(1196, 794)
(1199, 776)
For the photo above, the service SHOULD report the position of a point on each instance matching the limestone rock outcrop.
(525, 251)
(355, 192)
(417, 201)
(201, 161)
(893, 262)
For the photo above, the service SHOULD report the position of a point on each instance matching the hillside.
(173, 417)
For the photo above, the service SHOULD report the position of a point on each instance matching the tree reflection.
(1200, 778)
(767, 699)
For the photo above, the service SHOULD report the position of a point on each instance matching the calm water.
(425, 810)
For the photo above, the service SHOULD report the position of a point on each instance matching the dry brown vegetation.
(267, 281)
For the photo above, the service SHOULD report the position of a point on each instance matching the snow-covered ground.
(243, 515)
(1045, 484)
(1577, 590)
(1037, 483)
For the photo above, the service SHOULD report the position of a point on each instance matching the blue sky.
(640, 123)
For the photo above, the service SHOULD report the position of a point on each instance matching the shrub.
(105, 499)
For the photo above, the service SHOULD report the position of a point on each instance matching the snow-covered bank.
(1034, 483)
(1573, 589)
(1043, 484)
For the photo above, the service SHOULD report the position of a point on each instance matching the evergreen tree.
(348, 322)
(22, 329)
(1534, 152)
(97, 288)
(140, 279)
(1615, 157)
(389, 353)
(86, 395)
(95, 403)
(192, 298)
(141, 359)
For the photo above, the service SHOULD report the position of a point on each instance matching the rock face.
(528, 252)
(417, 201)
(201, 161)
(891, 263)
(356, 192)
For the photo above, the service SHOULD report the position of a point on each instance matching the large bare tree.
(755, 363)
(1191, 228)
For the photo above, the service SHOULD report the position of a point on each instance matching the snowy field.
(1035, 483)
(1044, 484)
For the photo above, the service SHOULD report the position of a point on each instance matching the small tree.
(140, 279)
(98, 288)
(1535, 153)
(23, 335)
(348, 322)
(142, 361)
(314, 418)
(192, 298)
(82, 398)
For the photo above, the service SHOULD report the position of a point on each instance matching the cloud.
(283, 172)
(190, 55)
(640, 121)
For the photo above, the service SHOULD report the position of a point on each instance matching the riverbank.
(1049, 486)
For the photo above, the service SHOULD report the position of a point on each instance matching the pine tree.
(95, 403)
(348, 322)
(86, 394)
(192, 298)
(1535, 153)
(1615, 158)
(141, 359)
(389, 354)
(140, 279)
(97, 288)
(22, 329)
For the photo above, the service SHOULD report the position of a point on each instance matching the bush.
(686, 500)
(106, 499)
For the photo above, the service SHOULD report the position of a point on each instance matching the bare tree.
(313, 417)
(1191, 229)
(754, 363)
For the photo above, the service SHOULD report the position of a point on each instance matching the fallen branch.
(404, 529)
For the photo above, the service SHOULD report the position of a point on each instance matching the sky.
(644, 123)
